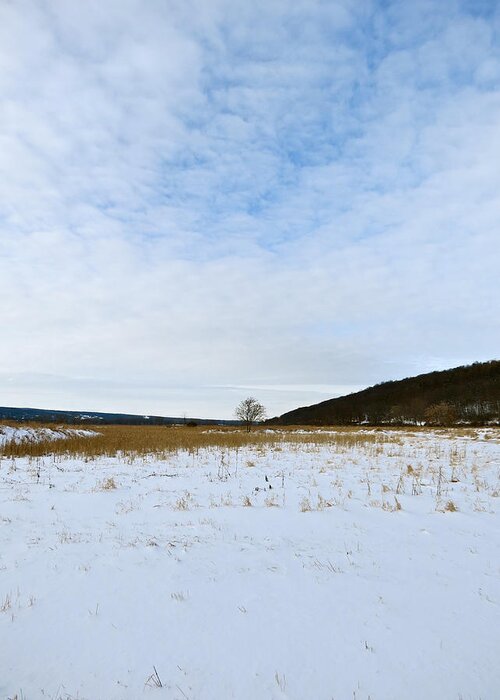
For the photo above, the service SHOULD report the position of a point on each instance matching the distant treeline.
(468, 394)
(77, 417)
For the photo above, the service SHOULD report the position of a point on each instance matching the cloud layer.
(200, 197)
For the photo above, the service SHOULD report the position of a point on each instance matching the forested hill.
(57, 416)
(469, 394)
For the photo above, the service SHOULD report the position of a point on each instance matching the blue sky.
(205, 199)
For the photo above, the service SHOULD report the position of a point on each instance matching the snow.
(17, 434)
(320, 589)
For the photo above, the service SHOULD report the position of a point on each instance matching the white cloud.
(204, 195)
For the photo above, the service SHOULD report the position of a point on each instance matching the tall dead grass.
(135, 441)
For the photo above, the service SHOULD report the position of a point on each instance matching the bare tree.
(441, 414)
(250, 411)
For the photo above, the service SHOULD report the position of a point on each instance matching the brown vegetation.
(135, 441)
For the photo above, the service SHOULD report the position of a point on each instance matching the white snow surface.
(320, 589)
(20, 434)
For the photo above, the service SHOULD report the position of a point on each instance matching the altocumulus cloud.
(200, 200)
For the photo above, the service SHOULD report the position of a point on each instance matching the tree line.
(469, 394)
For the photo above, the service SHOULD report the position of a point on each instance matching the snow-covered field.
(17, 434)
(301, 571)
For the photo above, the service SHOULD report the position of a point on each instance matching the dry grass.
(108, 484)
(6, 604)
(135, 441)
(271, 502)
(184, 502)
(305, 505)
(323, 503)
(389, 507)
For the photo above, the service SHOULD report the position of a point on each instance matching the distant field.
(207, 563)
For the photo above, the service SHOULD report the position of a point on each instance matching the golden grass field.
(160, 441)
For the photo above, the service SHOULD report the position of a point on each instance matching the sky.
(202, 200)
